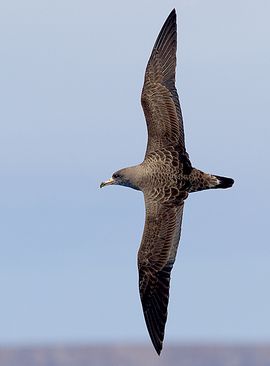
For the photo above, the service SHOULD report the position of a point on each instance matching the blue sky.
(70, 81)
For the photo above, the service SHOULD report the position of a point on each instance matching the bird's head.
(123, 177)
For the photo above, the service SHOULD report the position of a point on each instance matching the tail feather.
(223, 182)
(199, 181)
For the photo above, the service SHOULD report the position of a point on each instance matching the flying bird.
(166, 177)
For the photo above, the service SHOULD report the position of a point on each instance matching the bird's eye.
(115, 176)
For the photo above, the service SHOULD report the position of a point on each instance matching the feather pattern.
(155, 261)
(159, 97)
(166, 177)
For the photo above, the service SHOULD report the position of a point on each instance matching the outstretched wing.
(159, 95)
(156, 257)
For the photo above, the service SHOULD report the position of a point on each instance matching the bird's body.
(165, 172)
(166, 177)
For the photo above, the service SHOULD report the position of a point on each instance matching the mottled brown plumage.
(165, 177)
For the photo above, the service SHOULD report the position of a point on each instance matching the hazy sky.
(70, 81)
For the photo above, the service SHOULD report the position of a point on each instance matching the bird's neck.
(135, 177)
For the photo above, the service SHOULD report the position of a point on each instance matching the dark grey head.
(123, 177)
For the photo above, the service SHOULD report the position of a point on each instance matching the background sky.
(70, 81)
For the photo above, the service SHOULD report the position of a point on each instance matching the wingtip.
(172, 15)
(156, 341)
(166, 32)
(155, 336)
(158, 349)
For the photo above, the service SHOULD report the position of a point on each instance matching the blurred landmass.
(129, 355)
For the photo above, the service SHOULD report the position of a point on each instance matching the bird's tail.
(199, 181)
(223, 182)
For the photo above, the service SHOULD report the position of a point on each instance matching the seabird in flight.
(166, 177)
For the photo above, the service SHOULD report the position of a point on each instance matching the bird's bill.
(107, 183)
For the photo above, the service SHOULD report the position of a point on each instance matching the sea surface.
(137, 355)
